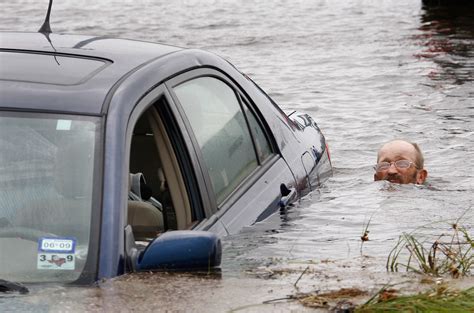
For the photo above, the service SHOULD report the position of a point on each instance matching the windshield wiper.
(9, 286)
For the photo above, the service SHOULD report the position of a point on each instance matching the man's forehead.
(397, 149)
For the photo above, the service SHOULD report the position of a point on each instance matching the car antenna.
(45, 28)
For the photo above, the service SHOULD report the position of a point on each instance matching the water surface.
(368, 71)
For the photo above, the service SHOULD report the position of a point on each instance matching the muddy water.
(368, 71)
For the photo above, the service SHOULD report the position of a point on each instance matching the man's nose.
(392, 169)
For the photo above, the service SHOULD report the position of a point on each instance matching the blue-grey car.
(121, 155)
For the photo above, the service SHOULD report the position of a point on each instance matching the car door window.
(158, 199)
(221, 131)
(261, 143)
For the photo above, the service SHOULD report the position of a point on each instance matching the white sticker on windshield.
(56, 254)
(63, 125)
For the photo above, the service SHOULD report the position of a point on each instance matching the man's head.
(401, 162)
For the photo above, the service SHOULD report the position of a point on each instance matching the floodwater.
(368, 71)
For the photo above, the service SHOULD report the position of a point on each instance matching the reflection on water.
(446, 33)
(368, 71)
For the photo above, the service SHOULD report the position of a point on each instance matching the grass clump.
(451, 253)
(440, 300)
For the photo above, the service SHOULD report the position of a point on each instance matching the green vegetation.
(439, 300)
(450, 253)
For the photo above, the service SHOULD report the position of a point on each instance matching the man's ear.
(421, 176)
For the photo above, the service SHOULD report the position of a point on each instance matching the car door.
(242, 167)
(157, 141)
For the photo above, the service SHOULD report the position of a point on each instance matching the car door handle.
(288, 195)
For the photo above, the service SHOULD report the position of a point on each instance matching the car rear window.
(48, 68)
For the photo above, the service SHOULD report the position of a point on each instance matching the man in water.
(400, 161)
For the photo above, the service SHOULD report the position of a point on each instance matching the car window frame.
(158, 97)
(243, 100)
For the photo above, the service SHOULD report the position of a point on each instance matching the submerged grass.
(441, 299)
(324, 300)
(451, 253)
(365, 233)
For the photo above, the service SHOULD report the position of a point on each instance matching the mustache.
(394, 176)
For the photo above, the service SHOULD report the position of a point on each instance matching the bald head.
(403, 148)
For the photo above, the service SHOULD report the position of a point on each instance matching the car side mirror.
(181, 250)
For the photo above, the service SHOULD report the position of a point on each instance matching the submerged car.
(120, 155)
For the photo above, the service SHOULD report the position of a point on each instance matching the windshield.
(46, 195)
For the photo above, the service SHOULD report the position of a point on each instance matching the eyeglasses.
(400, 164)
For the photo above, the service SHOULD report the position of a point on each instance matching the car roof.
(39, 71)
